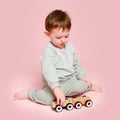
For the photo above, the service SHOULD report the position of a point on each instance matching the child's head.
(58, 25)
(57, 19)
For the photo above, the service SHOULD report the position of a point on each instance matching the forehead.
(60, 31)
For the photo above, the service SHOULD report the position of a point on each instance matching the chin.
(61, 47)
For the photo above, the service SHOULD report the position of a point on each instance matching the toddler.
(62, 73)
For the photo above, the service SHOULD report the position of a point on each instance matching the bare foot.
(21, 95)
(96, 88)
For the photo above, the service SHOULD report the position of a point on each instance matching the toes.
(15, 97)
(100, 89)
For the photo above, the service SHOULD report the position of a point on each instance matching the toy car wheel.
(88, 103)
(69, 106)
(58, 108)
(78, 105)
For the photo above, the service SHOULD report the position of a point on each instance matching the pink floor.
(96, 37)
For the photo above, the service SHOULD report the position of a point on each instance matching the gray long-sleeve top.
(60, 64)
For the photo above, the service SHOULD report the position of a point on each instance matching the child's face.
(59, 37)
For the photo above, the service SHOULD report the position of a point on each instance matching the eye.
(66, 36)
(58, 37)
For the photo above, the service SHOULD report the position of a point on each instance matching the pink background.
(95, 34)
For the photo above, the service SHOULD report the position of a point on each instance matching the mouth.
(62, 44)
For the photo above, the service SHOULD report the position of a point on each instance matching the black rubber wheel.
(69, 106)
(58, 108)
(88, 103)
(78, 105)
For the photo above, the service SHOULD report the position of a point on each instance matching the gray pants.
(70, 88)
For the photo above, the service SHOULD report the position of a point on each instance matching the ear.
(47, 33)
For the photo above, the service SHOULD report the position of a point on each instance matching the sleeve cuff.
(54, 85)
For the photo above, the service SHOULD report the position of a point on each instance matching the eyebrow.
(61, 35)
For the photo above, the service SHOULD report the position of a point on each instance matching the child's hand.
(59, 95)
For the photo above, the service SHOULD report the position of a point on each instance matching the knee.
(80, 86)
(47, 101)
(84, 85)
(39, 96)
(47, 98)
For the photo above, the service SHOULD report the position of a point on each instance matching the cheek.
(56, 41)
(66, 40)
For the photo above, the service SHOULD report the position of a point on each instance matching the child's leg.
(73, 87)
(83, 86)
(43, 96)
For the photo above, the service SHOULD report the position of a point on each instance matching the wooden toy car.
(69, 103)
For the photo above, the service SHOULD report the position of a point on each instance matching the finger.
(58, 100)
(62, 100)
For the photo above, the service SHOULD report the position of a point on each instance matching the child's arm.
(49, 69)
(49, 72)
(78, 70)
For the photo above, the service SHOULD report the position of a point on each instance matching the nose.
(63, 40)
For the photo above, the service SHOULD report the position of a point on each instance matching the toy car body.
(69, 103)
(83, 100)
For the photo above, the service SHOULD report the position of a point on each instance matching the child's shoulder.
(49, 49)
(70, 46)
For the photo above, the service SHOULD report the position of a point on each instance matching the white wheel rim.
(69, 107)
(89, 103)
(59, 108)
(78, 105)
